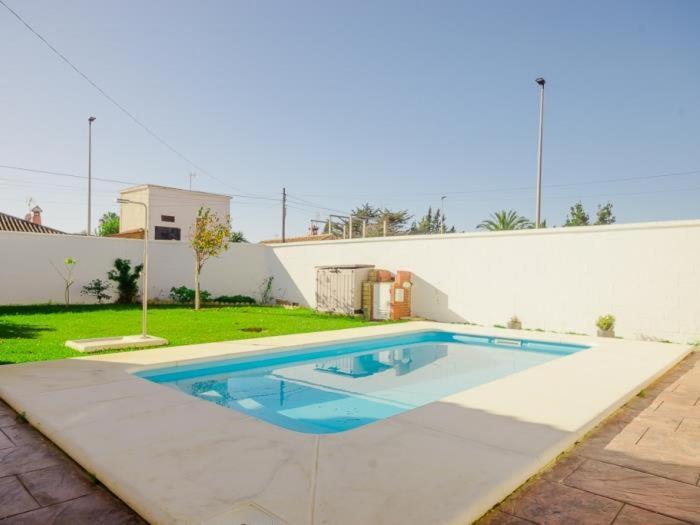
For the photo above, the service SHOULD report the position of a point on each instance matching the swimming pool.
(333, 388)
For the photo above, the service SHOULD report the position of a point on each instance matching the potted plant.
(606, 325)
(514, 323)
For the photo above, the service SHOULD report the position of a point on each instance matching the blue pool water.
(332, 388)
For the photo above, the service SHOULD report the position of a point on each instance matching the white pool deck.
(176, 459)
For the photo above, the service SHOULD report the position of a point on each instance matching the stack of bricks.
(400, 303)
(401, 296)
(367, 296)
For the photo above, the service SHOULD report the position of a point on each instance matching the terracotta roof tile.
(11, 223)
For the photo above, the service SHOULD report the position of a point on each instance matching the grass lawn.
(38, 333)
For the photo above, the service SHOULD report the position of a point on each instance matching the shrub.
(186, 295)
(266, 291)
(235, 299)
(606, 322)
(127, 280)
(97, 288)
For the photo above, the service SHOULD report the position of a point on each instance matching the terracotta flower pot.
(515, 325)
(606, 333)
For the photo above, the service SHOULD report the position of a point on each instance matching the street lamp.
(144, 286)
(538, 206)
(89, 221)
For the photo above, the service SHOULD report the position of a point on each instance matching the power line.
(112, 99)
(117, 181)
(513, 188)
(63, 174)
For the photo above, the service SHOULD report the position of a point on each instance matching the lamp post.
(89, 206)
(144, 281)
(538, 204)
(442, 213)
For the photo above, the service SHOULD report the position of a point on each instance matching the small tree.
(109, 224)
(604, 215)
(577, 216)
(98, 289)
(67, 276)
(127, 281)
(210, 238)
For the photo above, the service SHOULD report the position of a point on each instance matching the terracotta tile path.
(642, 466)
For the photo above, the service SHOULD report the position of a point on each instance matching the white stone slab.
(113, 343)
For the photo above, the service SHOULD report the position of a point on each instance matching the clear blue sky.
(391, 102)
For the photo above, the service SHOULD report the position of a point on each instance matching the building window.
(165, 233)
(167, 218)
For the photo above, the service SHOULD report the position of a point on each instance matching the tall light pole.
(144, 281)
(538, 205)
(442, 213)
(89, 222)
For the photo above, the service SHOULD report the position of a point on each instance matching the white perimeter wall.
(26, 274)
(647, 275)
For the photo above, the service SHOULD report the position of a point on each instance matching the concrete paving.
(642, 466)
(39, 485)
(446, 462)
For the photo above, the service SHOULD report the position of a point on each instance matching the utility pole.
(284, 214)
(538, 204)
(442, 213)
(192, 176)
(89, 210)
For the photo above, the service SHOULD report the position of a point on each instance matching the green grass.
(38, 333)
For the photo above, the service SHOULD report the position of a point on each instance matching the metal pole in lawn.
(144, 272)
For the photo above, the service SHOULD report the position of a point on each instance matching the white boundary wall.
(647, 275)
(562, 279)
(27, 275)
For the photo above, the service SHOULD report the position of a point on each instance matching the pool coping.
(177, 459)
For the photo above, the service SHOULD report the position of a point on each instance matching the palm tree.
(505, 220)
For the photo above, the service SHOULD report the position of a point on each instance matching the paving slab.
(643, 458)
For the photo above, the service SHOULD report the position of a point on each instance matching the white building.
(172, 211)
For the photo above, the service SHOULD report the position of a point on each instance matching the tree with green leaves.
(430, 223)
(237, 236)
(604, 215)
(109, 224)
(396, 221)
(210, 238)
(505, 220)
(126, 279)
(577, 216)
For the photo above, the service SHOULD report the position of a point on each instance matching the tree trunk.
(196, 286)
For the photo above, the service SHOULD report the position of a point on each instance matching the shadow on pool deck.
(641, 466)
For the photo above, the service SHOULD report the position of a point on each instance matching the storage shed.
(339, 288)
